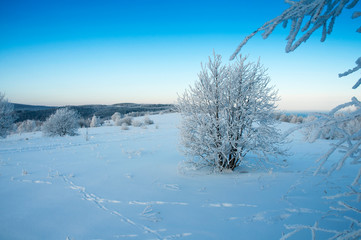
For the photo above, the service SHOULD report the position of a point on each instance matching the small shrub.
(293, 119)
(95, 122)
(84, 123)
(63, 122)
(126, 120)
(124, 126)
(137, 123)
(284, 118)
(116, 119)
(27, 126)
(148, 121)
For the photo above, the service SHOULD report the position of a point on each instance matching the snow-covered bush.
(277, 115)
(84, 122)
(95, 122)
(116, 119)
(284, 118)
(126, 120)
(228, 114)
(119, 121)
(299, 119)
(288, 118)
(27, 126)
(137, 123)
(6, 116)
(116, 116)
(63, 122)
(293, 119)
(124, 126)
(148, 121)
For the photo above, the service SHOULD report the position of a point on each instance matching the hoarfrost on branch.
(306, 16)
(228, 114)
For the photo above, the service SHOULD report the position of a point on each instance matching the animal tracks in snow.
(26, 174)
(228, 205)
(30, 181)
(126, 236)
(148, 213)
(157, 203)
(100, 202)
(151, 215)
(172, 187)
(269, 217)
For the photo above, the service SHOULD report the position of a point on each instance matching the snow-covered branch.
(348, 207)
(358, 67)
(315, 228)
(342, 123)
(306, 16)
(352, 233)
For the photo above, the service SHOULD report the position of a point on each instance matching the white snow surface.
(131, 185)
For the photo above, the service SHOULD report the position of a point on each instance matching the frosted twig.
(298, 227)
(357, 178)
(345, 194)
(315, 14)
(349, 207)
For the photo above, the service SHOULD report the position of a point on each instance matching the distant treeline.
(41, 113)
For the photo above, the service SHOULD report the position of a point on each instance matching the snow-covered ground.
(130, 185)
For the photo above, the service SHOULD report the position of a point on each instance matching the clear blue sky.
(70, 52)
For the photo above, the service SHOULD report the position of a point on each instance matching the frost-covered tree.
(27, 126)
(95, 122)
(6, 116)
(63, 122)
(116, 119)
(228, 114)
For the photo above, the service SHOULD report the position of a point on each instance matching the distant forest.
(41, 113)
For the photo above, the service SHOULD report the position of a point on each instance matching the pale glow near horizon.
(112, 62)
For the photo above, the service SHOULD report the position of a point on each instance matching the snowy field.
(129, 184)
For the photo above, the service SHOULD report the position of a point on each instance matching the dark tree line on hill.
(41, 113)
